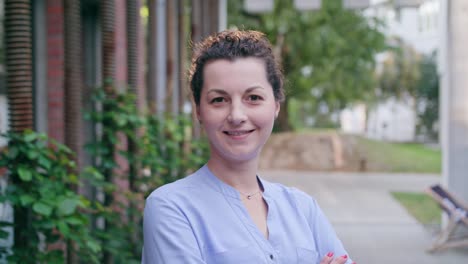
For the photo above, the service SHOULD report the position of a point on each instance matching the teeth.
(237, 133)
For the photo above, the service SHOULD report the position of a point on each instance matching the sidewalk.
(373, 226)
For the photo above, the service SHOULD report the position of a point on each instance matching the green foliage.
(327, 55)
(158, 150)
(400, 72)
(48, 210)
(427, 93)
(407, 74)
(108, 229)
(169, 151)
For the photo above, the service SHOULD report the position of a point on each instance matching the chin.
(242, 157)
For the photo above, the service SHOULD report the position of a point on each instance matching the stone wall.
(328, 151)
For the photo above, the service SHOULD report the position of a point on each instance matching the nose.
(237, 114)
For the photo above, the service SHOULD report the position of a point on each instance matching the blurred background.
(95, 112)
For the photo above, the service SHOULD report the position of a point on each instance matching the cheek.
(265, 118)
(210, 119)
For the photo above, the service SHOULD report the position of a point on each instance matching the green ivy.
(159, 150)
(42, 183)
(47, 208)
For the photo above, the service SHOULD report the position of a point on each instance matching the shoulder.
(294, 196)
(177, 189)
(171, 200)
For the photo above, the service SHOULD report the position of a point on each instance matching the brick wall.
(121, 83)
(55, 70)
(120, 44)
(141, 87)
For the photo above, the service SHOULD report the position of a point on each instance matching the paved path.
(373, 226)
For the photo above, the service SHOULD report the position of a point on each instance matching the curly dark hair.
(230, 45)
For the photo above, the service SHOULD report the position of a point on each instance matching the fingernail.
(330, 254)
(353, 262)
(345, 256)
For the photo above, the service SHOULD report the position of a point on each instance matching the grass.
(400, 157)
(420, 206)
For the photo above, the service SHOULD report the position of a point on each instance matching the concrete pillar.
(157, 56)
(454, 96)
(172, 63)
(183, 55)
(222, 15)
(40, 59)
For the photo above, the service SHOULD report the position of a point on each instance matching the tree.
(400, 73)
(327, 55)
(406, 74)
(427, 91)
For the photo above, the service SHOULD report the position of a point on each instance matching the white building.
(392, 120)
(416, 22)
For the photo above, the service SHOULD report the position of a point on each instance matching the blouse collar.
(227, 189)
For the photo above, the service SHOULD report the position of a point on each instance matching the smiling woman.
(225, 212)
(237, 113)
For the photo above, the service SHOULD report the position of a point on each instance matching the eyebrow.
(221, 91)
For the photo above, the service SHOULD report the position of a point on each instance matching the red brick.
(55, 63)
(55, 84)
(54, 9)
(55, 40)
(55, 95)
(55, 69)
(55, 51)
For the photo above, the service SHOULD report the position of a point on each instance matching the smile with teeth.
(238, 133)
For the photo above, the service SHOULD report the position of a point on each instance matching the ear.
(277, 109)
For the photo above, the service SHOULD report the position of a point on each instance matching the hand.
(328, 259)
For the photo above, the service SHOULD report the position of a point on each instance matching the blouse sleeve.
(324, 235)
(168, 236)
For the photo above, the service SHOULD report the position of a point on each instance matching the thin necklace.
(249, 196)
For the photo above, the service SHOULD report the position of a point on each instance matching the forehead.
(240, 72)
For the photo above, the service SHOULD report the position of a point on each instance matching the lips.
(236, 133)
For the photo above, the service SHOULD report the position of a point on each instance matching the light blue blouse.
(200, 219)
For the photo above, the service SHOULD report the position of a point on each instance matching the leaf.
(95, 247)
(67, 206)
(32, 154)
(63, 228)
(30, 137)
(26, 199)
(63, 148)
(42, 208)
(24, 174)
(4, 234)
(122, 121)
(74, 221)
(44, 162)
(12, 152)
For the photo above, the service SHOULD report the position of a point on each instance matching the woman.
(224, 213)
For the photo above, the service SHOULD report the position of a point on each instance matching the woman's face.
(237, 108)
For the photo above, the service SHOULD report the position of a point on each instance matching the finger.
(327, 258)
(340, 260)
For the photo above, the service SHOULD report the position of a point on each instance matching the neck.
(241, 175)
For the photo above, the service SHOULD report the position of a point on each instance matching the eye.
(217, 100)
(254, 98)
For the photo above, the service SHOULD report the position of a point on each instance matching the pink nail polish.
(345, 256)
(330, 254)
